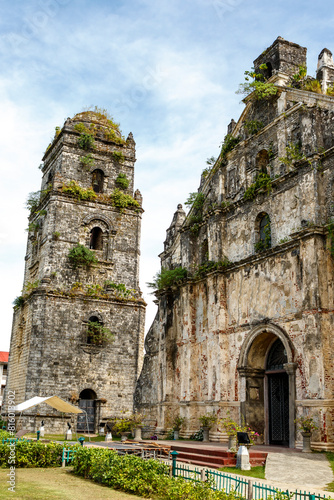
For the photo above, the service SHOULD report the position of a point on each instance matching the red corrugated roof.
(4, 356)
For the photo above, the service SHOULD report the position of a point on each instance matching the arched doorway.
(278, 395)
(87, 403)
(267, 397)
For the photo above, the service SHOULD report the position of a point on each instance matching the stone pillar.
(243, 459)
(290, 369)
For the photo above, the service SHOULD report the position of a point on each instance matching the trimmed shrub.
(32, 454)
(147, 478)
(128, 473)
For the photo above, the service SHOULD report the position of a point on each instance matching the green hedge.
(147, 478)
(33, 454)
(5, 435)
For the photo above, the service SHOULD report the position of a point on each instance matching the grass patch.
(61, 437)
(257, 471)
(55, 483)
(330, 457)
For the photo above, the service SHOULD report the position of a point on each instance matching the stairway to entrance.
(213, 457)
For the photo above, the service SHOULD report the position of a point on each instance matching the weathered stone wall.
(209, 344)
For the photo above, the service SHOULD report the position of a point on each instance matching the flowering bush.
(306, 424)
(232, 428)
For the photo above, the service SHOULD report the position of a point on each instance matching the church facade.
(78, 327)
(245, 323)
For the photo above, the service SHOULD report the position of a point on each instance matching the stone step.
(208, 457)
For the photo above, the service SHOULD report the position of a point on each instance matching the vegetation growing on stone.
(330, 90)
(210, 162)
(94, 290)
(253, 126)
(122, 181)
(82, 256)
(256, 85)
(121, 200)
(87, 161)
(18, 302)
(97, 334)
(168, 277)
(35, 198)
(313, 86)
(300, 80)
(228, 144)
(262, 184)
(86, 141)
(73, 189)
(208, 266)
(120, 289)
(293, 154)
(196, 203)
(118, 156)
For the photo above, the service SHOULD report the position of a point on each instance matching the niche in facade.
(96, 239)
(262, 161)
(263, 232)
(98, 180)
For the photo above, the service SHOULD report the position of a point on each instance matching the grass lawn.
(257, 471)
(330, 456)
(56, 483)
(60, 437)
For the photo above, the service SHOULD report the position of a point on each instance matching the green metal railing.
(13, 440)
(67, 456)
(246, 488)
(228, 483)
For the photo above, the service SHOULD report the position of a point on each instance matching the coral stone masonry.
(78, 328)
(248, 328)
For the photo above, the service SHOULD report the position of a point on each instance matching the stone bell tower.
(78, 327)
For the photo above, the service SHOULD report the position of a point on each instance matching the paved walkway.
(302, 471)
(286, 468)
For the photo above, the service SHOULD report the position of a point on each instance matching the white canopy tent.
(53, 401)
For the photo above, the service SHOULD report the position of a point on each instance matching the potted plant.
(231, 428)
(177, 423)
(123, 426)
(137, 419)
(306, 425)
(207, 421)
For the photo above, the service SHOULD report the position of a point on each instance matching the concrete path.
(302, 471)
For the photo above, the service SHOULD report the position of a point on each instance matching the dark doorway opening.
(278, 395)
(278, 399)
(87, 404)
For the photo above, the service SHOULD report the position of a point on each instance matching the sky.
(167, 71)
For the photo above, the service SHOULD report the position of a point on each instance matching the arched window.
(263, 230)
(262, 161)
(96, 239)
(98, 180)
(94, 331)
